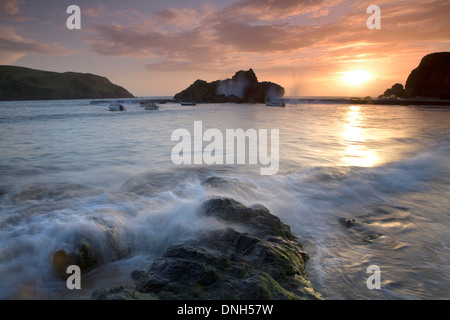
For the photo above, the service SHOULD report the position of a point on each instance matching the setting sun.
(356, 77)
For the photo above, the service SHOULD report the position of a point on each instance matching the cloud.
(320, 13)
(10, 7)
(176, 16)
(262, 32)
(267, 38)
(13, 46)
(275, 9)
(95, 12)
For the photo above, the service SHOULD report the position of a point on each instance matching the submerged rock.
(257, 258)
(348, 223)
(82, 256)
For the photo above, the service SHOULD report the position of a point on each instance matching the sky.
(160, 47)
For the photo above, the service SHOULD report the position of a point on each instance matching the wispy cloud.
(259, 27)
(10, 7)
(314, 37)
(14, 46)
(275, 10)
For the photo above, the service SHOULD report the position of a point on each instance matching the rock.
(371, 237)
(257, 218)
(121, 293)
(396, 91)
(18, 83)
(243, 187)
(266, 263)
(431, 78)
(243, 87)
(214, 182)
(82, 256)
(138, 274)
(363, 231)
(348, 223)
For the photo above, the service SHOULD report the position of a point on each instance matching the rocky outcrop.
(18, 83)
(82, 256)
(256, 257)
(396, 91)
(243, 87)
(431, 78)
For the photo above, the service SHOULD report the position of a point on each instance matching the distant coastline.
(20, 83)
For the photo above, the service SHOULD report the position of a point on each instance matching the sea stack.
(243, 87)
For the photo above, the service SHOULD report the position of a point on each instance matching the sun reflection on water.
(353, 137)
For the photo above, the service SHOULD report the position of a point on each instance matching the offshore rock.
(243, 87)
(396, 91)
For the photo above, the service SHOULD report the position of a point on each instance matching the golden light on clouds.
(311, 48)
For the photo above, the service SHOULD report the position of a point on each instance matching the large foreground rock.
(256, 257)
(243, 87)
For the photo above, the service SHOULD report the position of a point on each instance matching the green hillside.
(19, 83)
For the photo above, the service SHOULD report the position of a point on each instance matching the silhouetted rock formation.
(243, 87)
(396, 90)
(431, 78)
(18, 83)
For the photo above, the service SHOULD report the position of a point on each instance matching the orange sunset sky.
(158, 48)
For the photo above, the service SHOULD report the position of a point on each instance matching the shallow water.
(69, 169)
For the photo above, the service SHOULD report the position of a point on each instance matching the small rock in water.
(369, 239)
(83, 257)
(347, 222)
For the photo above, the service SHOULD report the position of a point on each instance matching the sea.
(359, 185)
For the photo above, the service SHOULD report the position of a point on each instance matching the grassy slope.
(19, 83)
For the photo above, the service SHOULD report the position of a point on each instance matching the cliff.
(243, 87)
(431, 79)
(19, 83)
